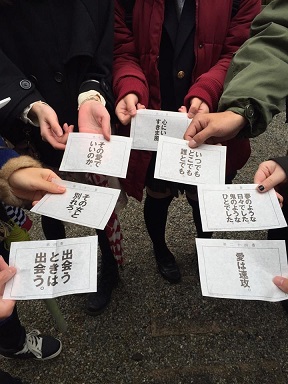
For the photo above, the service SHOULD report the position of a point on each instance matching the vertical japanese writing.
(190, 162)
(47, 270)
(77, 204)
(160, 128)
(66, 265)
(238, 208)
(95, 153)
(39, 269)
(243, 275)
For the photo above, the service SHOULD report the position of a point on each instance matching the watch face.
(4, 101)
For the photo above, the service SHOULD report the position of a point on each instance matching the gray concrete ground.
(158, 333)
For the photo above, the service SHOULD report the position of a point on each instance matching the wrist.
(90, 96)
(30, 113)
(238, 119)
(35, 107)
(95, 98)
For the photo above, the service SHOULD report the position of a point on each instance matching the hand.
(32, 183)
(6, 272)
(197, 106)
(269, 174)
(50, 129)
(93, 117)
(281, 282)
(127, 108)
(213, 128)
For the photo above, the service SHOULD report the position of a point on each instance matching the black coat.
(52, 50)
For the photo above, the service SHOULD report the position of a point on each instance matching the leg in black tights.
(197, 219)
(108, 279)
(155, 215)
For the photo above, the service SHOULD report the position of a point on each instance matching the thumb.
(56, 129)
(131, 107)
(194, 108)
(6, 275)
(269, 183)
(49, 186)
(281, 282)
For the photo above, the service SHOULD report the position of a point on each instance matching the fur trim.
(6, 171)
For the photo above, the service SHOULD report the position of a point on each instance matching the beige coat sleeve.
(6, 171)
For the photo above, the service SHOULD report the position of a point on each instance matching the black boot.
(108, 280)
(197, 220)
(155, 214)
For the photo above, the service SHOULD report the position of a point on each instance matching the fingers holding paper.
(281, 282)
(269, 175)
(127, 108)
(33, 183)
(213, 128)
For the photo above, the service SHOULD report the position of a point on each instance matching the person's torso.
(207, 23)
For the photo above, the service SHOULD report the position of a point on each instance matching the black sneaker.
(36, 346)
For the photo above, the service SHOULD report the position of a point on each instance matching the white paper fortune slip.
(242, 269)
(88, 152)
(52, 268)
(81, 204)
(148, 125)
(176, 161)
(238, 207)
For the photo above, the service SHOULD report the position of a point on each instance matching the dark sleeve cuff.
(283, 162)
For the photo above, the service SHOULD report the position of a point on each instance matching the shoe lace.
(33, 344)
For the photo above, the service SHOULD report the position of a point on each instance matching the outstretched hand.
(127, 108)
(213, 128)
(50, 129)
(269, 174)
(33, 183)
(93, 117)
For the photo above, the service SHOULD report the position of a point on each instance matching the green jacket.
(257, 79)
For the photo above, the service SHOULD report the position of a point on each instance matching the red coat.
(217, 37)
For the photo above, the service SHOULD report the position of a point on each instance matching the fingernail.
(261, 188)
(60, 188)
(192, 143)
(278, 280)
